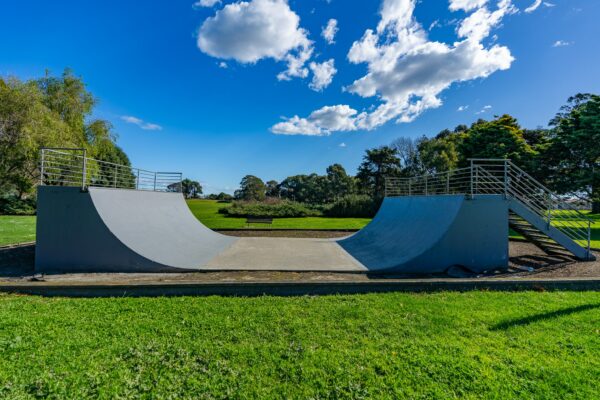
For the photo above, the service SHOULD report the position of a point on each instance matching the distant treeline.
(565, 156)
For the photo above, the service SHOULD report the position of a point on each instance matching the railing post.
(589, 238)
(506, 179)
(448, 182)
(84, 170)
(154, 182)
(115, 178)
(425, 185)
(410, 186)
(137, 180)
(42, 166)
(471, 178)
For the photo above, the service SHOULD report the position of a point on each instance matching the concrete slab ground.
(290, 254)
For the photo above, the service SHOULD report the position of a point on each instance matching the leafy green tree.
(573, 156)
(252, 188)
(339, 182)
(273, 189)
(191, 189)
(377, 164)
(499, 138)
(438, 154)
(51, 112)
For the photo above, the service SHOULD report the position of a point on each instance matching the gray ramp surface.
(159, 226)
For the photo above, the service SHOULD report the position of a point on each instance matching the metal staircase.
(537, 213)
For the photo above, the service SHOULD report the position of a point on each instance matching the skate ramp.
(429, 234)
(120, 230)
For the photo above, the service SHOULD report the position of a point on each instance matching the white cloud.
(478, 25)
(561, 43)
(533, 6)
(329, 31)
(548, 4)
(320, 122)
(322, 74)
(466, 5)
(406, 72)
(206, 3)
(342, 145)
(223, 65)
(250, 31)
(141, 123)
(484, 109)
(462, 108)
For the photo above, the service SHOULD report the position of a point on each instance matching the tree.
(377, 164)
(339, 183)
(574, 153)
(191, 189)
(438, 154)
(499, 138)
(51, 112)
(273, 189)
(252, 188)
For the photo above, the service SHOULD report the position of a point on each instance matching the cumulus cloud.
(320, 122)
(406, 72)
(250, 31)
(462, 108)
(322, 74)
(206, 3)
(329, 31)
(147, 126)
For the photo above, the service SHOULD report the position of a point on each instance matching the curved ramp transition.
(119, 230)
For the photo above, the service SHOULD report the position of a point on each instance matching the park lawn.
(395, 345)
(207, 212)
(16, 229)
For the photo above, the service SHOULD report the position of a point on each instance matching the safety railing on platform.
(499, 176)
(72, 167)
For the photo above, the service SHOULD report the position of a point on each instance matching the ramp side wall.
(476, 240)
(71, 237)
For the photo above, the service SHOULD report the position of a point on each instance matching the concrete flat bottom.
(284, 254)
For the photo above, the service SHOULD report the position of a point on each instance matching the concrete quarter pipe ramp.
(121, 230)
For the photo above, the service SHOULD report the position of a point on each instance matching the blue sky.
(223, 90)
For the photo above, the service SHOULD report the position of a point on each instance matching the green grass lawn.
(443, 345)
(207, 212)
(16, 229)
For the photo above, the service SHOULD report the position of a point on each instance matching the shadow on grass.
(542, 317)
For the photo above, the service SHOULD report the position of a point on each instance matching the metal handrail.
(498, 176)
(71, 167)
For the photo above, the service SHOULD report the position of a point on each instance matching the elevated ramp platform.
(121, 230)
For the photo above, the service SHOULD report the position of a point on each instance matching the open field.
(207, 212)
(16, 229)
(444, 345)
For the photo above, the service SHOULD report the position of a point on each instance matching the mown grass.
(444, 345)
(16, 229)
(207, 212)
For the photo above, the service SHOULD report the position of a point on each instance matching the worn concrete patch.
(284, 254)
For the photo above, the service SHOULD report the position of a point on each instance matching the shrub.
(272, 209)
(353, 205)
(13, 205)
